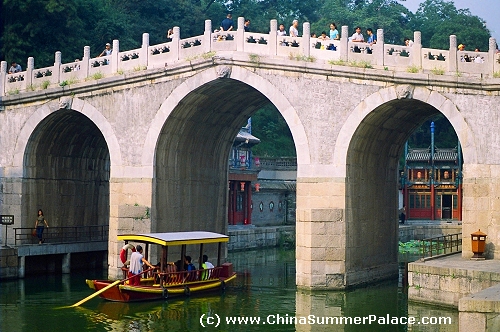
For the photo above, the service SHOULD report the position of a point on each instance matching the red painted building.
(243, 170)
(431, 184)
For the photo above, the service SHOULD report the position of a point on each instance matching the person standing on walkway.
(402, 215)
(40, 223)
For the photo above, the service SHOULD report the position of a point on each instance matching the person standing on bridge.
(227, 23)
(294, 31)
(40, 222)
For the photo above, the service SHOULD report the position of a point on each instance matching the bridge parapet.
(412, 58)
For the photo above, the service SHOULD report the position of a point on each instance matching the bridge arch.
(366, 155)
(77, 105)
(64, 159)
(190, 139)
(267, 89)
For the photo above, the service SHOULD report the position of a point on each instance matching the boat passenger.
(190, 266)
(206, 265)
(135, 269)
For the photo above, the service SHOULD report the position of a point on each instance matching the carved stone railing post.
(344, 43)
(207, 36)
(86, 61)
(240, 35)
(416, 50)
(3, 77)
(379, 48)
(114, 56)
(176, 42)
(306, 39)
(56, 72)
(452, 57)
(272, 42)
(29, 71)
(492, 50)
(144, 56)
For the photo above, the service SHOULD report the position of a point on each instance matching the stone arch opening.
(192, 154)
(372, 159)
(66, 168)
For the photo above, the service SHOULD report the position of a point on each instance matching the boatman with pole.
(135, 269)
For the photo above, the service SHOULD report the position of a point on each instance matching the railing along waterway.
(441, 245)
(63, 234)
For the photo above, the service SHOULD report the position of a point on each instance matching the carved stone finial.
(224, 72)
(65, 103)
(404, 91)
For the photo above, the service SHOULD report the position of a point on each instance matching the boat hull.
(128, 293)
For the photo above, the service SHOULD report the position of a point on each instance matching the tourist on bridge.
(107, 51)
(372, 39)
(408, 42)
(334, 33)
(281, 31)
(294, 32)
(40, 223)
(357, 36)
(247, 25)
(15, 68)
(227, 23)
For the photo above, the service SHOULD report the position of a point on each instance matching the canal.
(265, 289)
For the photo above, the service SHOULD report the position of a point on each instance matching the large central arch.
(196, 127)
(366, 153)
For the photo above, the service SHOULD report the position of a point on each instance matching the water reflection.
(265, 288)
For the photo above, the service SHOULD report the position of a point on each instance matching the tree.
(438, 19)
(272, 130)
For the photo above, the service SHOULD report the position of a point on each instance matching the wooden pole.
(200, 261)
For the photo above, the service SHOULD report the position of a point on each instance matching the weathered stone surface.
(160, 139)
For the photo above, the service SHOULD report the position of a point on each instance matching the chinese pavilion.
(243, 169)
(431, 183)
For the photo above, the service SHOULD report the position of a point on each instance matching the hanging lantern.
(257, 187)
(242, 186)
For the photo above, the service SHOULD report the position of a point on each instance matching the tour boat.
(165, 281)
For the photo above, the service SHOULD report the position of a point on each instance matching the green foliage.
(444, 135)
(45, 84)
(437, 71)
(272, 130)
(438, 19)
(412, 69)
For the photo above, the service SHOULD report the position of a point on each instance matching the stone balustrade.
(335, 52)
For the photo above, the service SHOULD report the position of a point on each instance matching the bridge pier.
(130, 204)
(66, 263)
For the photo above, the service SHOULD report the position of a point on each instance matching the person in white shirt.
(357, 36)
(294, 32)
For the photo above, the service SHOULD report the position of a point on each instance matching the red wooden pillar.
(459, 203)
(235, 200)
(230, 204)
(248, 208)
(433, 202)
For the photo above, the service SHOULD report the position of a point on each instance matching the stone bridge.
(141, 139)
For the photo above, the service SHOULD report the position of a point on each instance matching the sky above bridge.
(488, 10)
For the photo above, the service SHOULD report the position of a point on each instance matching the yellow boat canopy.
(175, 238)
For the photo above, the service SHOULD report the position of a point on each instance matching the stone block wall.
(8, 263)
(248, 237)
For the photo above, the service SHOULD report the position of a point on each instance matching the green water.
(265, 288)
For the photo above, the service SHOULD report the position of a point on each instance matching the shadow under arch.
(66, 169)
(196, 127)
(78, 105)
(367, 154)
